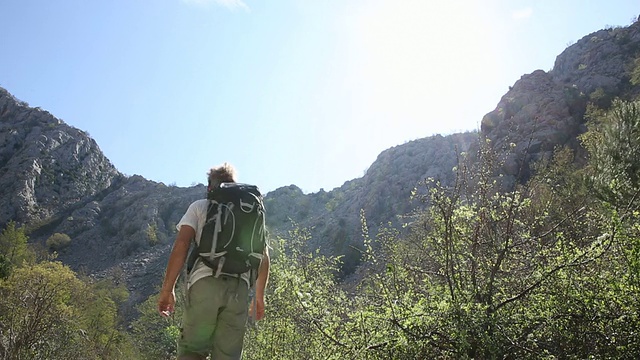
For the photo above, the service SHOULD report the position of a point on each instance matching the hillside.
(55, 179)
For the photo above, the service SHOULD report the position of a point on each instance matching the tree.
(487, 272)
(47, 312)
(37, 317)
(13, 249)
(613, 143)
(101, 321)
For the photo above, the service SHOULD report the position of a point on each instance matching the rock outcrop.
(544, 110)
(46, 166)
(55, 179)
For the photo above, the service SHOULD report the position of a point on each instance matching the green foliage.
(613, 143)
(5, 266)
(152, 234)
(14, 250)
(46, 312)
(542, 271)
(547, 269)
(102, 320)
(154, 336)
(600, 98)
(58, 241)
(36, 310)
(114, 287)
(305, 307)
(635, 72)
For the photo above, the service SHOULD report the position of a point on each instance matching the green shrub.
(600, 98)
(152, 235)
(58, 241)
(635, 72)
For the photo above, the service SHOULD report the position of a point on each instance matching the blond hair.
(220, 174)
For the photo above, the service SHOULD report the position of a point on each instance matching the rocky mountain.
(543, 110)
(540, 112)
(55, 179)
(46, 166)
(383, 193)
(66, 185)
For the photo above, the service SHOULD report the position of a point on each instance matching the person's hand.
(256, 310)
(166, 303)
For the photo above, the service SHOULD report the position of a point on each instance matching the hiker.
(218, 285)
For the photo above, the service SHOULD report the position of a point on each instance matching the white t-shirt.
(195, 217)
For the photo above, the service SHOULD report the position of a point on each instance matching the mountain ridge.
(55, 178)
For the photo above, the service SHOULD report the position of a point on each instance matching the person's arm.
(261, 283)
(167, 299)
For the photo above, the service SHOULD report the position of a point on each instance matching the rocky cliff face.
(544, 110)
(66, 185)
(540, 112)
(46, 166)
(55, 179)
(383, 193)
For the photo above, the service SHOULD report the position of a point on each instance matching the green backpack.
(233, 237)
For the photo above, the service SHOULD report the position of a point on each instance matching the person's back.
(217, 300)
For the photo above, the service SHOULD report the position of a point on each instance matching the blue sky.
(290, 91)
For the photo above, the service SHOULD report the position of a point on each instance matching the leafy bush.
(58, 241)
(613, 143)
(152, 234)
(635, 72)
(52, 314)
(600, 98)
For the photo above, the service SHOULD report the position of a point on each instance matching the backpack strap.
(214, 243)
(206, 246)
(193, 256)
(218, 270)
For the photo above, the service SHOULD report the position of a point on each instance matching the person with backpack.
(230, 259)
